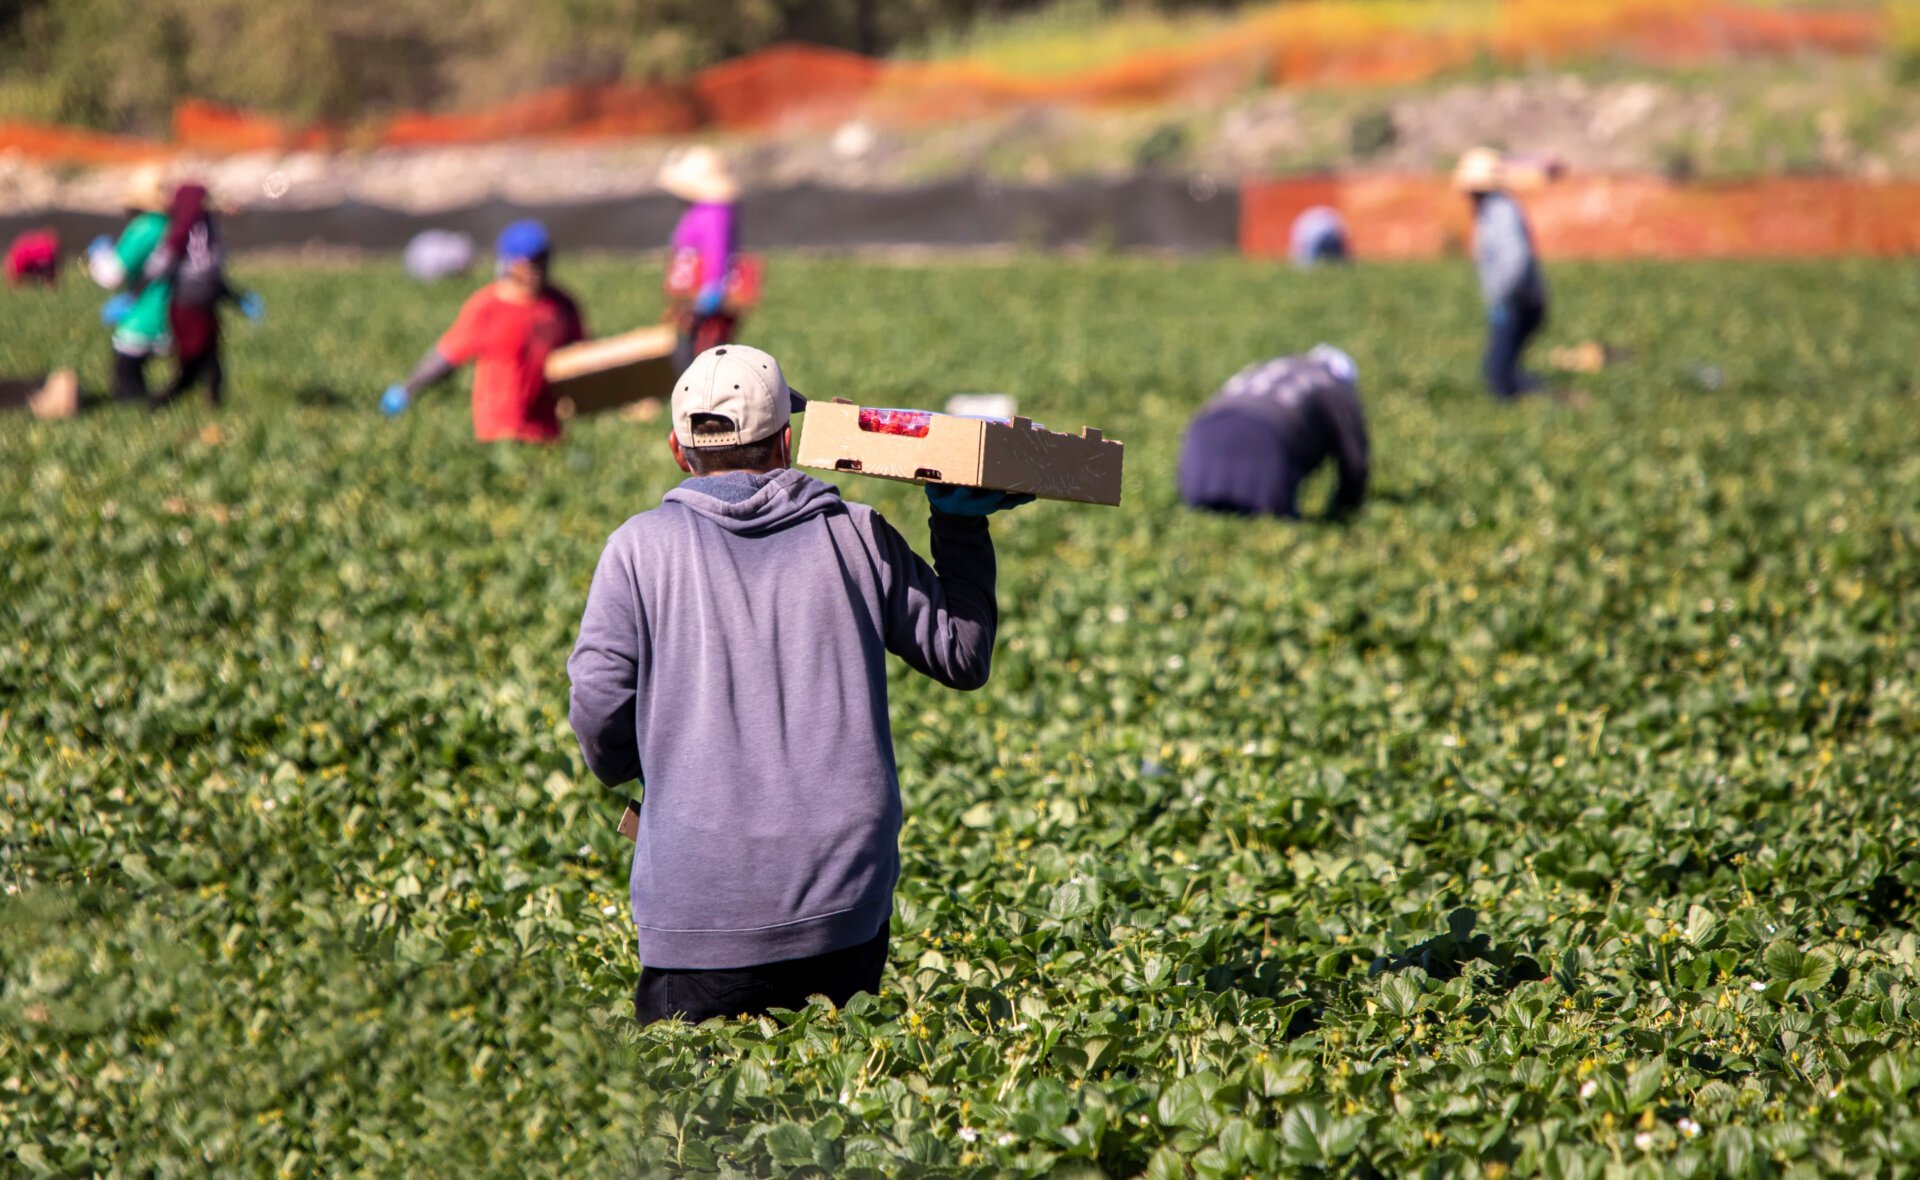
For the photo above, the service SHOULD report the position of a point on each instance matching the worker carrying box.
(511, 327)
(732, 658)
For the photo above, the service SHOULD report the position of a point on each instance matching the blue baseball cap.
(522, 240)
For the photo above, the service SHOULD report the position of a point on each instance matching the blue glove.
(116, 309)
(103, 242)
(709, 301)
(253, 307)
(953, 501)
(395, 400)
(1499, 314)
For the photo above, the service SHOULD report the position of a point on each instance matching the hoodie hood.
(750, 503)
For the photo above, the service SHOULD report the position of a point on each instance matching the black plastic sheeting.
(1159, 213)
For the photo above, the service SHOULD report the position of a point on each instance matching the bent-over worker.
(509, 328)
(1249, 449)
(1318, 238)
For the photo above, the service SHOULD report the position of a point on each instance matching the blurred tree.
(122, 64)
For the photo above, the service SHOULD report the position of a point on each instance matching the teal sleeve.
(140, 240)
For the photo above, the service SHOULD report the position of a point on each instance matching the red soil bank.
(1401, 217)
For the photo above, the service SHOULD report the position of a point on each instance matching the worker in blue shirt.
(1510, 281)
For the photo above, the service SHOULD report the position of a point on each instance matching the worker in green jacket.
(137, 313)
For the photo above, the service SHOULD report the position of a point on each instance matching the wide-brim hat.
(147, 190)
(698, 174)
(1481, 170)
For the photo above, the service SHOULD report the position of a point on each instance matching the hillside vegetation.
(106, 63)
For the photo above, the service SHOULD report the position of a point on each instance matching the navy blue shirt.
(1252, 446)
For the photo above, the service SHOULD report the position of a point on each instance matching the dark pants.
(699, 333)
(696, 995)
(1509, 329)
(196, 346)
(129, 377)
(191, 372)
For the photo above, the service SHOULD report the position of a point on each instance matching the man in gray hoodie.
(733, 657)
(1509, 270)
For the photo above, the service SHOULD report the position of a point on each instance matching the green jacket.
(145, 327)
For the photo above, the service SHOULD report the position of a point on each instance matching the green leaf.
(1301, 1131)
(1342, 1137)
(790, 1144)
(1567, 972)
(1182, 1104)
(1805, 970)
(1400, 996)
(1642, 1085)
(1735, 1147)
(1817, 971)
(1783, 960)
(1167, 1164)
(1702, 927)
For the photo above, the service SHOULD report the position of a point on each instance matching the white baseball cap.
(743, 385)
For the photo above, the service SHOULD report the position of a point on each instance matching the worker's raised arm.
(605, 669)
(942, 619)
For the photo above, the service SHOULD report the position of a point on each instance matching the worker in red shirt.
(509, 328)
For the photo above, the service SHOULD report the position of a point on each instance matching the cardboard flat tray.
(56, 395)
(926, 447)
(600, 375)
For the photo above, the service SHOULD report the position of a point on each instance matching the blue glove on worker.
(1499, 314)
(116, 309)
(954, 501)
(709, 301)
(395, 400)
(253, 307)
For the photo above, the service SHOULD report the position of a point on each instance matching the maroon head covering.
(189, 209)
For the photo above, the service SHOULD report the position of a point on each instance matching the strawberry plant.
(1553, 818)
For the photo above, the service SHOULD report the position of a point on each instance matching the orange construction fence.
(34, 141)
(1310, 43)
(1404, 217)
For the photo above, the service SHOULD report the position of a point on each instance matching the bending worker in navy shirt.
(1249, 449)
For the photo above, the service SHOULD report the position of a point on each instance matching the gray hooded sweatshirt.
(734, 646)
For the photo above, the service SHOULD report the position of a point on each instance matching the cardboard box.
(600, 375)
(920, 446)
(55, 396)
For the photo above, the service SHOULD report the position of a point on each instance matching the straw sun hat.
(1480, 171)
(699, 174)
(146, 189)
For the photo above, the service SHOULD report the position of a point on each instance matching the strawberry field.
(1557, 817)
